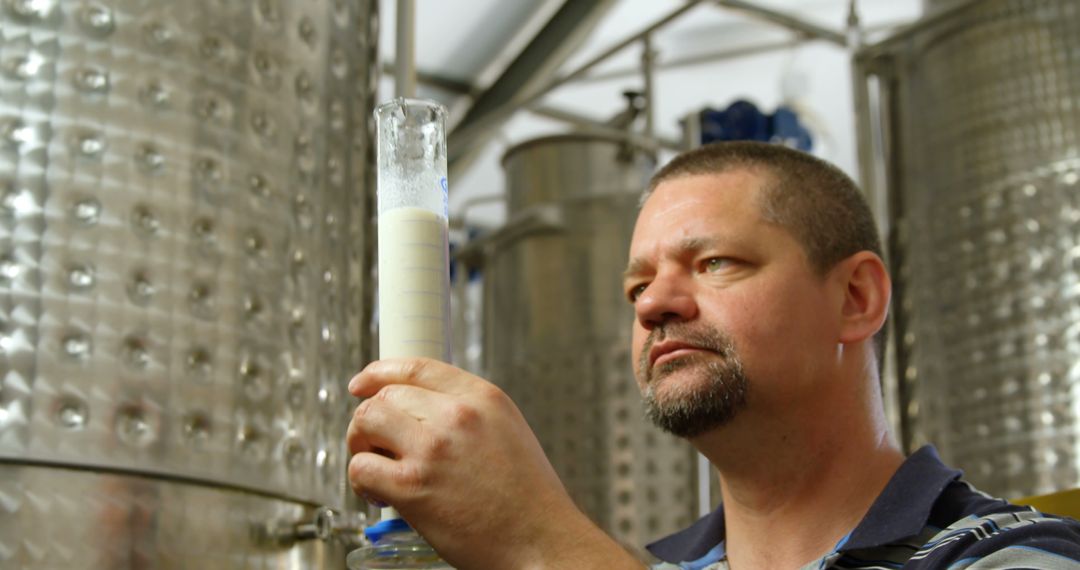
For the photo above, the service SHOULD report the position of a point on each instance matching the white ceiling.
(473, 40)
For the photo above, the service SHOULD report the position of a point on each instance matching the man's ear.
(866, 298)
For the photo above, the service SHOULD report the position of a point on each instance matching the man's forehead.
(738, 188)
(698, 211)
(723, 198)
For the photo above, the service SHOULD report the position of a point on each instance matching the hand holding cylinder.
(454, 454)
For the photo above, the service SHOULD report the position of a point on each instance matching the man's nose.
(666, 299)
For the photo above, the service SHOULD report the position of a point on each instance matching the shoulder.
(1009, 536)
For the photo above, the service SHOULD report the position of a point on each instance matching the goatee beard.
(705, 403)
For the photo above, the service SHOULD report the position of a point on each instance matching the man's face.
(728, 312)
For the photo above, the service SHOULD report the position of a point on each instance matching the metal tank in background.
(979, 125)
(183, 268)
(557, 332)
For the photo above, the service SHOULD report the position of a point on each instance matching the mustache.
(698, 335)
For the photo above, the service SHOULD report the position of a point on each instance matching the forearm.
(578, 544)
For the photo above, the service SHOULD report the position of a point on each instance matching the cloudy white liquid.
(413, 285)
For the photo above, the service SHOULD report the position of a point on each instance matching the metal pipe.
(874, 131)
(466, 136)
(720, 55)
(584, 68)
(458, 87)
(540, 60)
(691, 131)
(589, 125)
(687, 61)
(648, 59)
(869, 158)
(405, 54)
(854, 27)
(786, 20)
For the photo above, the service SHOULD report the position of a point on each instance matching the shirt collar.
(903, 507)
(900, 511)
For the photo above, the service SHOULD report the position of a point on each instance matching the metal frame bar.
(616, 48)
(648, 69)
(877, 135)
(588, 125)
(691, 60)
(467, 133)
(405, 49)
(540, 59)
(788, 21)
(486, 115)
(582, 122)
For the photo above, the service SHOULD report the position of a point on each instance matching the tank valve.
(327, 525)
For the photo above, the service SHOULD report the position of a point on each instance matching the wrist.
(575, 542)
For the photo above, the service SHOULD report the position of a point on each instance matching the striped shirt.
(926, 517)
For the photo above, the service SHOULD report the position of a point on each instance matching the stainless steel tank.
(557, 332)
(182, 268)
(983, 128)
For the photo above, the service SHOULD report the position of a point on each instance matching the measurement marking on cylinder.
(433, 245)
(431, 293)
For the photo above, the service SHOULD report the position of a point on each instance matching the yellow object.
(1063, 503)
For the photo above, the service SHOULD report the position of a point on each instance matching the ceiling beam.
(435, 80)
(536, 64)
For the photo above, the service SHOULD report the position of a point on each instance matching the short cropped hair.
(815, 201)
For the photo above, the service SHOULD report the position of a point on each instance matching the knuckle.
(463, 416)
(355, 439)
(412, 477)
(358, 473)
(493, 395)
(362, 411)
(389, 393)
(438, 447)
(368, 413)
(414, 367)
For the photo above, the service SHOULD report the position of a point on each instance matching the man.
(759, 292)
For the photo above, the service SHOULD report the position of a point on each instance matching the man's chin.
(683, 367)
(678, 384)
(695, 395)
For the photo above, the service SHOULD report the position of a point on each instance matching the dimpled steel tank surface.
(557, 332)
(183, 196)
(988, 253)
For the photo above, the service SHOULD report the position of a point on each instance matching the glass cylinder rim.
(410, 103)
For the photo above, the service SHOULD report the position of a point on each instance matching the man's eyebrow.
(695, 244)
(635, 267)
(638, 265)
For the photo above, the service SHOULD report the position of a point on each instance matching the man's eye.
(714, 264)
(636, 292)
